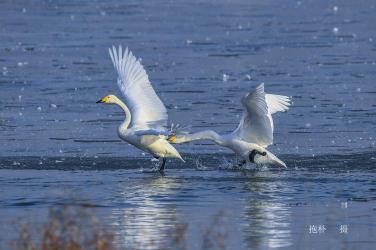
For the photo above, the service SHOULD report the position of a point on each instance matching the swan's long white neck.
(214, 136)
(207, 135)
(128, 116)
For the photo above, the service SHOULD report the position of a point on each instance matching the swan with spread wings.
(145, 124)
(255, 130)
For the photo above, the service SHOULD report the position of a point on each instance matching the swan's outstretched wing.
(277, 103)
(160, 133)
(256, 125)
(146, 108)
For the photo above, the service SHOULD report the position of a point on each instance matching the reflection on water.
(268, 225)
(257, 208)
(146, 221)
(266, 216)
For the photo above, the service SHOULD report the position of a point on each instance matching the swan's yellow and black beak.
(172, 138)
(103, 100)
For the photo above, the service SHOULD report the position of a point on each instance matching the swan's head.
(254, 153)
(108, 99)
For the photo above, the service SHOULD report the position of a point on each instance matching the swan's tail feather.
(181, 158)
(172, 152)
(176, 155)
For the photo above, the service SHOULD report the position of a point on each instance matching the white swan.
(255, 131)
(145, 115)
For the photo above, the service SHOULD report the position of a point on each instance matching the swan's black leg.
(254, 153)
(162, 167)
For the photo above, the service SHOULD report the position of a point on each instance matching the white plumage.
(145, 115)
(146, 107)
(255, 130)
(256, 125)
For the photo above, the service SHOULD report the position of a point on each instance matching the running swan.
(255, 130)
(145, 115)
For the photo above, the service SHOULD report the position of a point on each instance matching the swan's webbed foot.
(254, 153)
(162, 167)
